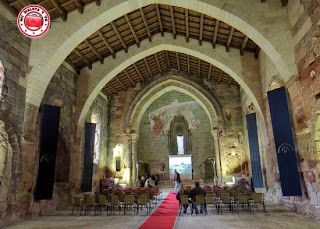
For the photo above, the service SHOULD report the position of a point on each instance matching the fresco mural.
(160, 118)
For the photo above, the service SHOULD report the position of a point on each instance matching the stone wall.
(15, 194)
(62, 92)
(156, 151)
(229, 99)
(303, 91)
(99, 109)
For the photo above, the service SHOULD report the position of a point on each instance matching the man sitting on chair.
(197, 190)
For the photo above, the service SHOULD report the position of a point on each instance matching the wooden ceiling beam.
(178, 61)
(139, 73)
(159, 19)
(243, 46)
(108, 85)
(79, 5)
(94, 50)
(145, 24)
(284, 3)
(120, 83)
(115, 29)
(168, 59)
(128, 76)
(201, 29)
(215, 35)
(147, 65)
(173, 23)
(83, 58)
(157, 60)
(220, 76)
(229, 39)
(209, 73)
(105, 41)
(63, 13)
(199, 68)
(256, 52)
(132, 30)
(188, 63)
(186, 15)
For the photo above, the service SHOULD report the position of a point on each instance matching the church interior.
(120, 94)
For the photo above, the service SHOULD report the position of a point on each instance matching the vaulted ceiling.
(143, 24)
(163, 62)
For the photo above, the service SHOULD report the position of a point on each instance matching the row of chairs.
(111, 201)
(248, 201)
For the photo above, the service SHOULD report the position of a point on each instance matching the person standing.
(177, 181)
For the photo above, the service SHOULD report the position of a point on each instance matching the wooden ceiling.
(145, 22)
(163, 62)
(54, 7)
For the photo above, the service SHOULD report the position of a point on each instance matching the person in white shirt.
(149, 183)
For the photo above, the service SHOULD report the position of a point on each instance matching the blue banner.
(87, 172)
(254, 151)
(284, 142)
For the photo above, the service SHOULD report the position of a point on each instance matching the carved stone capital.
(215, 133)
(134, 137)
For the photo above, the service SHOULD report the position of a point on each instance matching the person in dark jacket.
(177, 181)
(197, 190)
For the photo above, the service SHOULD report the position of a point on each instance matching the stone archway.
(91, 82)
(78, 27)
(180, 84)
(159, 88)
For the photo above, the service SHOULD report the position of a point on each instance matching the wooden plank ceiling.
(145, 22)
(54, 7)
(163, 62)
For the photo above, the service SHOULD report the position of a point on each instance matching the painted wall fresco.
(160, 118)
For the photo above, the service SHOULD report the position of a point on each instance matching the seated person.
(149, 183)
(197, 190)
(182, 192)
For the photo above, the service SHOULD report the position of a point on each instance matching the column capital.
(215, 132)
(134, 137)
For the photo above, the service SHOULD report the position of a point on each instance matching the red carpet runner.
(164, 216)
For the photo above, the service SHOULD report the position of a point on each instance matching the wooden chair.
(102, 203)
(200, 201)
(225, 199)
(90, 203)
(78, 203)
(142, 201)
(212, 199)
(129, 201)
(242, 199)
(115, 202)
(184, 201)
(259, 199)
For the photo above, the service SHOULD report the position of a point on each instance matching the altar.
(183, 164)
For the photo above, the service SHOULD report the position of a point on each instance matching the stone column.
(134, 176)
(215, 135)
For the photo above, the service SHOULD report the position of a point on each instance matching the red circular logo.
(33, 21)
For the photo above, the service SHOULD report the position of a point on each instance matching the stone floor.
(276, 217)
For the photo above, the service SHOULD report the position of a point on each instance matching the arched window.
(179, 136)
